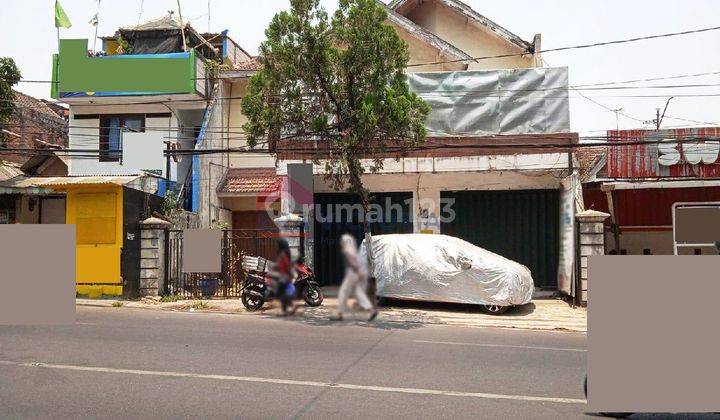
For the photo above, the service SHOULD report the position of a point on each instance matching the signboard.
(686, 152)
(144, 151)
(696, 225)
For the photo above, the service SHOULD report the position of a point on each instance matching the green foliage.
(117, 304)
(170, 298)
(340, 80)
(124, 46)
(200, 305)
(214, 68)
(9, 76)
(220, 225)
(170, 201)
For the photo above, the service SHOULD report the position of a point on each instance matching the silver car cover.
(442, 268)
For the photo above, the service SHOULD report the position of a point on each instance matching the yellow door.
(97, 213)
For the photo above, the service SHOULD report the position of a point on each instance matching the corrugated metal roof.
(20, 182)
(9, 170)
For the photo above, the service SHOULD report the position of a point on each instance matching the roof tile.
(250, 180)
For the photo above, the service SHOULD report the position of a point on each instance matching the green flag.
(61, 19)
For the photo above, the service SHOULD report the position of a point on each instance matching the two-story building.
(504, 124)
(138, 111)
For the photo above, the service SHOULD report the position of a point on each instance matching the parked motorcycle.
(258, 287)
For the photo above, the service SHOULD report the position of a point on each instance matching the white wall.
(658, 242)
(544, 161)
(213, 167)
(85, 134)
(426, 187)
(234, 120)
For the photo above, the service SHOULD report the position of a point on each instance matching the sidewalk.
(540, 314)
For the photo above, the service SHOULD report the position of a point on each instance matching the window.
(111, 128)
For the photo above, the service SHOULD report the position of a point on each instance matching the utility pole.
(182, 27)
(659, 118)
(617, 118)
(167, 164)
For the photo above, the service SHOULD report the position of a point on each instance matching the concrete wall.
(213, 166)
(544, 161)
(469, 36)
(658, 242)
(421, 52)
(85, 134)
(426, 187)
(235, 120)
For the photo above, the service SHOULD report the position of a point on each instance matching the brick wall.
(34, 125)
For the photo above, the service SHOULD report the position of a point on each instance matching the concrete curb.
(396, 317)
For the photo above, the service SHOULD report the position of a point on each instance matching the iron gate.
(235, 244)
(332, 221)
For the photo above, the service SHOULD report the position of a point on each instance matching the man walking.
(355, 280)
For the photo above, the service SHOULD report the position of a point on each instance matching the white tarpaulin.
(493, 102)
(442, 268)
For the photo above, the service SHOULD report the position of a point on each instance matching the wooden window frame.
(106, 154)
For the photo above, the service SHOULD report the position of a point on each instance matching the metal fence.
(235, 244)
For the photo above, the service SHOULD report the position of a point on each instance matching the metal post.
(166, 286)
(167, 164)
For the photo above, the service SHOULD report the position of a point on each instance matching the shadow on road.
(521, 310)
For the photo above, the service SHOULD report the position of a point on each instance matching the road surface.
(133, 363)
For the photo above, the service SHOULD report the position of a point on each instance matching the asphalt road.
(121, 362)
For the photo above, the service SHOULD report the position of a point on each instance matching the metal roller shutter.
(521, 225)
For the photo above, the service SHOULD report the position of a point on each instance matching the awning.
(249, 182)
(44, 185)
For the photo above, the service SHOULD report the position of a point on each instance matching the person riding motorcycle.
(285, 273)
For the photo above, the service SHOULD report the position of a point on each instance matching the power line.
(573, 47)
(397, 149)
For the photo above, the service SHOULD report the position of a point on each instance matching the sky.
(31, 39)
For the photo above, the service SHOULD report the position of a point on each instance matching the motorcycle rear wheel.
(252, 300)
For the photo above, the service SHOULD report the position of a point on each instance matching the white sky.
(29, 37)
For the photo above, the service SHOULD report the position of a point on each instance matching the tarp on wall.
(493, 102)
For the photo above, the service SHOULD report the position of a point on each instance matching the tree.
(9, 76)
(340, 81)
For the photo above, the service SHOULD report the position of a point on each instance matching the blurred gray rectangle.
(144, 151)
(202, 251)
(301, 185)
(37, 274)
(653, 336)
(697, 224)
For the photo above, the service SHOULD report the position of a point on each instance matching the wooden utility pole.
(182, 27)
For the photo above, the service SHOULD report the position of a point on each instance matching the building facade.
(506, 199)
(639, 181)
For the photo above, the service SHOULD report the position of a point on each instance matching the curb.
(108, 304)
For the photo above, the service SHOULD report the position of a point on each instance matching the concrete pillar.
(591, 233)
(291, 228)
(427, 210)
(152, 256)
